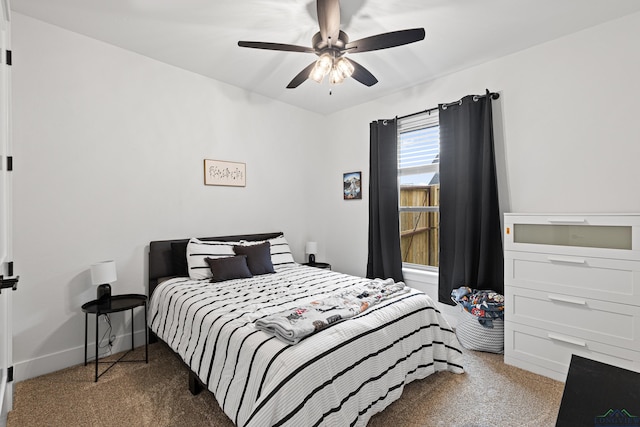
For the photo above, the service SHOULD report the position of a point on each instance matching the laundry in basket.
(481, 321)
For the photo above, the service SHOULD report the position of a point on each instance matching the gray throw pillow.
(228, 268)
(258, 257)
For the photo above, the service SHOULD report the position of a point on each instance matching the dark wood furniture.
(114, 304)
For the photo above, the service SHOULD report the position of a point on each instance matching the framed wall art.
(352, 188)
(218, 172)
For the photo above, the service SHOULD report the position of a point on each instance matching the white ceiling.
(202, 36)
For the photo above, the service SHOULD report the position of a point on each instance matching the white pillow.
(198, 250)
(280, 251)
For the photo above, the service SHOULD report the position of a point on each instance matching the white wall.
(103, 137)
(109, 149)
(566, 124)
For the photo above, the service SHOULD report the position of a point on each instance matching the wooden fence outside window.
(419, 231)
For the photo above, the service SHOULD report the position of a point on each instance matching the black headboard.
(161, 254)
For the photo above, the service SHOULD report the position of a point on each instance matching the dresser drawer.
(590, 235)
(588, 319)
(549, 353)
(598, 278)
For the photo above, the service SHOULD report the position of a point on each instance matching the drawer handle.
(567, 340)
(567, 300)
(567, 260)
(566, 220)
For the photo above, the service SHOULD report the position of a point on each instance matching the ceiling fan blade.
(386, 40)
(329, 19)
(276, 46)
(301, 77)
(362, 75)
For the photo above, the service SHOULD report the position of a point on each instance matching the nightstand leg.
(86, 315)
(132, 347)
(97, 317)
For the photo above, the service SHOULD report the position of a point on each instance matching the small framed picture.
(352, 185)
(217, 172)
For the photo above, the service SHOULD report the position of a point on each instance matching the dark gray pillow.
(258, 257)
(228, 268)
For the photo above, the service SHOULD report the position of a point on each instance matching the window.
(418, 167)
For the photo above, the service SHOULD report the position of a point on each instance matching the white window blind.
(418, 149)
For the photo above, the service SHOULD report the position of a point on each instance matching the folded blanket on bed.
(292, 325)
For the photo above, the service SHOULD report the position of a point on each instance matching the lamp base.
(312, 259)
(104, 293)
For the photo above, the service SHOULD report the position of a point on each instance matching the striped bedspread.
(341, 375)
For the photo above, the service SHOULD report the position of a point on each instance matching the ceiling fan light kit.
(322, 67)
(338, 70)
(335, 78)
(344, 68)
(331, 44)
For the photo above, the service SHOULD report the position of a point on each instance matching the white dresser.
(572, 286)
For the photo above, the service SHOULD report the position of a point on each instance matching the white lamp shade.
(103, 272)
(311, 248)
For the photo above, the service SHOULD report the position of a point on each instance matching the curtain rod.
(494, 95)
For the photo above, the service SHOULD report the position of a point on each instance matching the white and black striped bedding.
(341, 375)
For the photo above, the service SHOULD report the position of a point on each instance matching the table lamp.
(102, 274)
(311, 248)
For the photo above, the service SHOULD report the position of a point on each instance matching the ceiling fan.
(331, 44)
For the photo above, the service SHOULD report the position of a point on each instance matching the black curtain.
(385, 259)
(470, 232)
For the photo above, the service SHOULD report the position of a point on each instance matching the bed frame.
(162, 264)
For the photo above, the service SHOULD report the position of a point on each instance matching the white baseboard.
(6, 403)
(532, 367)
(46, 364)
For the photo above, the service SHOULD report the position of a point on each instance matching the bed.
(339, 375)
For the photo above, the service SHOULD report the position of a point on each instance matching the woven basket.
(474, 336)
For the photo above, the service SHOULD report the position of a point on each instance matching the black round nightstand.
(115, 304)
(318, 265)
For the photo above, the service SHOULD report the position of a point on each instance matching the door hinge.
(10, 374)
(8, 57)
(9, 282)
(9, 163)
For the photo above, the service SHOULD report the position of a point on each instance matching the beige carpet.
(490, 393)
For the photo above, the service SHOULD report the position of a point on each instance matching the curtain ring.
(460, 102)
(444, 106)
(384, 122)
(475, 98)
